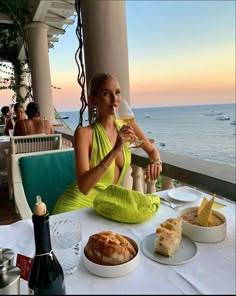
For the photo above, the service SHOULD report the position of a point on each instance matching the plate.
(185, 194)
(186, 252)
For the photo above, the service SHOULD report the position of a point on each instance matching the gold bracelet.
(105, 167)
(156, 160)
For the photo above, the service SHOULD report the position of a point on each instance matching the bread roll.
(170, 234)
(172, 224)
(109, 248)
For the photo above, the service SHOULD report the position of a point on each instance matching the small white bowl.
(204, 234)
(113, 270)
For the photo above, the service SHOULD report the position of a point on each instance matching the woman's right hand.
(125, 134)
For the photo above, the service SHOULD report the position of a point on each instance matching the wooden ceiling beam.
(62, 6)
(53, 39)
(49, 19)
(4, 19)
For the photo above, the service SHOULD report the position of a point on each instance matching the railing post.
(138, 179)
(167, 183)
(128, 179)
(151, 186)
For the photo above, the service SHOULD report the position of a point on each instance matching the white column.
(36, 35)
(105, 40)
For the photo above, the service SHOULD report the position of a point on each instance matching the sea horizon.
(184, 130)
(168, 106)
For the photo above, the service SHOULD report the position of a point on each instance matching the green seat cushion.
(47, 175)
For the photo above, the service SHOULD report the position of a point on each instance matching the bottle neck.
(42, 234)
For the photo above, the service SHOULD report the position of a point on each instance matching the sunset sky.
(180, 53)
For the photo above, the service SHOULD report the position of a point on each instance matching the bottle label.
(24, 263)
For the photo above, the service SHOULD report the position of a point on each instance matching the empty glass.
(66, 244)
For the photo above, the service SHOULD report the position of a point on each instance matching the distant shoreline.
(172, 106)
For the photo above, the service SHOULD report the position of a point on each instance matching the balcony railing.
(205, 175)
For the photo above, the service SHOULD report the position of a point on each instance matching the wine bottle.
(46, 275)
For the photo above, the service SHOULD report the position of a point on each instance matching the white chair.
(49, 174)
(34, 143)
(29, 144)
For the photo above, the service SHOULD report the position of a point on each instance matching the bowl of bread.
(203, 224)
(110, 254)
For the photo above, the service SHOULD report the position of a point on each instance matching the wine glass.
(124, 115)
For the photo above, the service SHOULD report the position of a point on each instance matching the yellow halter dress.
(72, 199)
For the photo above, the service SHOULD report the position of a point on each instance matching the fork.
(171, 204)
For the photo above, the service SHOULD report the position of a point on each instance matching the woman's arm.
(155, 167)
(8, 126)
(19, 129)
(49, 127)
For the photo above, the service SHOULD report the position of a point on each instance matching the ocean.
(185, 130)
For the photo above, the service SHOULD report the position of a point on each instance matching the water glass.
(11, 132)
(66, 244)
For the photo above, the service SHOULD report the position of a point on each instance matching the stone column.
(36, 36)
(105, 40)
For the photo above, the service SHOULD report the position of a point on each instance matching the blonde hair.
(97, 81)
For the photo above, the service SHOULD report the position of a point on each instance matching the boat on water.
(162, 144)
(222, 117)
(233, 122)
(212, 113)
(62, 117)
(146, 115)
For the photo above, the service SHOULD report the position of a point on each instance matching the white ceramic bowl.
(204, 234)
(114, 270)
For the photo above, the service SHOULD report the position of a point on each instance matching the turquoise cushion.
(47, 175)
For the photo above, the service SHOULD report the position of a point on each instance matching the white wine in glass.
(124, 115)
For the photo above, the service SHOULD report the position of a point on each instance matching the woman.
(6, 114)
(32, 125)
(19, 115)
(102, 156)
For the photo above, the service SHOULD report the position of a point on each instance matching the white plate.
(185, 194)
(186, 252)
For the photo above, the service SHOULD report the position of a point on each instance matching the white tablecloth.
(212, 271)
(4, 144)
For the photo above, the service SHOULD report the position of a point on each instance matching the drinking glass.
(11, 132)
(66, 241)
(124, 115)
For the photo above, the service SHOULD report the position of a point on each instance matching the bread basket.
(113, 270)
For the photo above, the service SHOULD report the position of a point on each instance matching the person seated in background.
(6, 114)
(102, 154)
(32, 125)
(19, 115)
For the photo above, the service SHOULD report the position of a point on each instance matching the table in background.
(4, 144)
(212, 271)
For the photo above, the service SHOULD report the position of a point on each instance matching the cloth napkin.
(125, 205)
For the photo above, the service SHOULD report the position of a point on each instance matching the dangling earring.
(94, 113)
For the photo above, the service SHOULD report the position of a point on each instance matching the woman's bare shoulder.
(83, 131)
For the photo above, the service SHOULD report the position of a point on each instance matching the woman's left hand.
(153, 171)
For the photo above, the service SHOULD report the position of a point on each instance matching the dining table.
(4, 144)
(211, 271)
